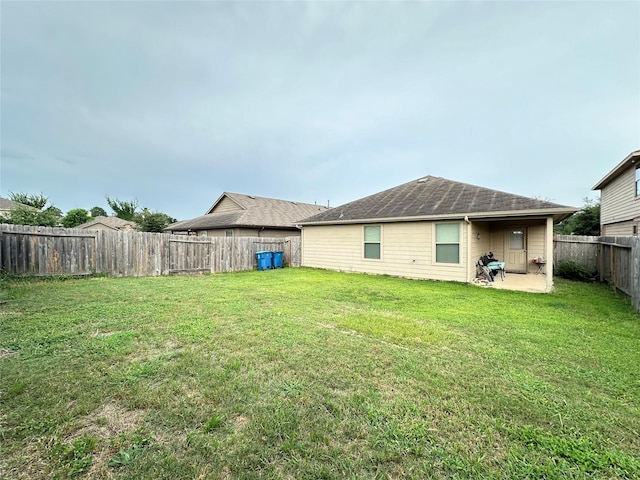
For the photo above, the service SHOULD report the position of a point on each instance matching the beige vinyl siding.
(536, 245)
(407, 250)
(483, 245)
(252, 232)
(620, 229)
(498, 241)
(226, 205)
(618, 201)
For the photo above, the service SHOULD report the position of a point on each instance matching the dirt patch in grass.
(240, 422)
(106, 424)
(5, 352)
(109, 421)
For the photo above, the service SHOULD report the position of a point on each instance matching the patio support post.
(548, 254)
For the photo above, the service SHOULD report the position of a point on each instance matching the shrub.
(572, 270)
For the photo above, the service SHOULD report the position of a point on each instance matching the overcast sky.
(173, 103)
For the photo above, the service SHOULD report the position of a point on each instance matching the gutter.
(458, 216)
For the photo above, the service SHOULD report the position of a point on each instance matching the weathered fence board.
(582, 249)
(56, 251)
(616, 260)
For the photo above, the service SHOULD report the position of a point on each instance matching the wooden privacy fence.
(46, 251)
(616, 260)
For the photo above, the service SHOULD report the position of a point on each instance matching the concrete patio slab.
(522, 282)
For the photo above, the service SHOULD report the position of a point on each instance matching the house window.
(447, 243)
(372, 236)
(637, 181)
(228, 233)
(635, 229)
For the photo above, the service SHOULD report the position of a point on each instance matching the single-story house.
(109, 223)
(620, 198)
(7, 205)
(238, 215)
(433, 228)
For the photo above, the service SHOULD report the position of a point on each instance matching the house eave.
(202, 228)
(631, 159)
(558, 214)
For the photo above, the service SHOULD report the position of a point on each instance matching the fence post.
(635, 272)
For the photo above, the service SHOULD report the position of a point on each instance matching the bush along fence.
(615, 260)
(46, 251)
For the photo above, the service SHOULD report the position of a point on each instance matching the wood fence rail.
(43, 251)
(616, 260)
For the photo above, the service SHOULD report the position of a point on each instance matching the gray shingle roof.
(111, 222)
(435, 197)
(253, 212)
(6, 204)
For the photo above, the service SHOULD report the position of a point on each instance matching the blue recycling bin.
(277, 259)
(264, 260)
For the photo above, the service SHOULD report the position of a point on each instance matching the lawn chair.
(483, 272)
(494, 265)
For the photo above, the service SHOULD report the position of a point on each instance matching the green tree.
(31, 211)
(153, 221)
(98, 212)
(122, 209)
(584, 222)
(25, 215)
(75, 217)
(35, 201)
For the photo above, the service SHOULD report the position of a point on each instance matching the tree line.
(37, 210)
(584, 222)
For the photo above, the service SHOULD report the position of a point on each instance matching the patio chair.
(483, 272)
(493, 264)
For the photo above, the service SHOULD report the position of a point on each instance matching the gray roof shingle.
(253, 212)
(111, 222)
(436, 197)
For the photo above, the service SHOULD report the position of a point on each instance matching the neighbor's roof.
(253, 212)
(631, 159)
(6, 204)
(111, 222)
(438, 198)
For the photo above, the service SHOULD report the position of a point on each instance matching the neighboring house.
(109, 223)
(7, 205)
(433, 228)
(620, 198)
(237, 215)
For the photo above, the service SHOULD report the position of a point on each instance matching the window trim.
(637, 181)
(436, 243)
(365, 242)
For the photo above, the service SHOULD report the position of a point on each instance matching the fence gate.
(190, 255)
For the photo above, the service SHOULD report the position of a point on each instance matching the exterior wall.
(251, 232)
(226, 205)
(621, 229)
(536, 246)
(481, 246)
(618, 202)
(407, 250)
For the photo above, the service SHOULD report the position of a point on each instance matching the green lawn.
(301, 373)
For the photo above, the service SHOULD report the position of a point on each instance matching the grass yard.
(309, 374)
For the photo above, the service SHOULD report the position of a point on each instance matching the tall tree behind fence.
(59, 251)
(616, 260)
